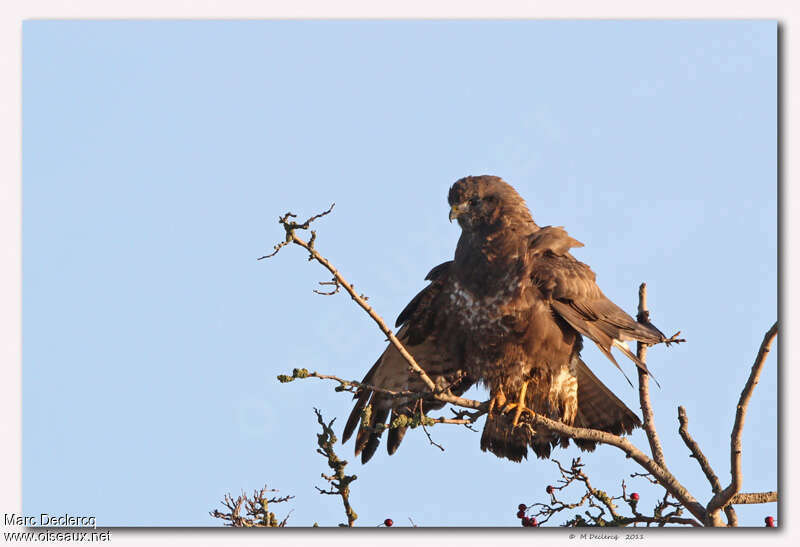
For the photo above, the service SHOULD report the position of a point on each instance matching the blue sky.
(158, 155)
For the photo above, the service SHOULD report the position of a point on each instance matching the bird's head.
(484, 202)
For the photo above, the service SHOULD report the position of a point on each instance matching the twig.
(335, 290)
(647, 476)
(425, 429)
(290, 226)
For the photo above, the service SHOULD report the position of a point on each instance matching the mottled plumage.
(509, 311)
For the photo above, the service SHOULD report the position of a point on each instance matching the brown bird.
(509, 312)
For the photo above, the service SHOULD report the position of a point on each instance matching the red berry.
(770, 522)
(635, 496)
(388, 522)
(525, 521)
(549, 489)
(520, 514)
(533, 521)
(522, 507)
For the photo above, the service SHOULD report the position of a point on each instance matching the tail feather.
(368, 439)
(504, 442)
(599, 408)
(355, 415)
(396, 435)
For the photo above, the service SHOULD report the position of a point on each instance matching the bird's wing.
(419, 320)
(577, 299)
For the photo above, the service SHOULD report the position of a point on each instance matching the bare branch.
(724, 497)
(697, 454)
(663, 520)
(648, 425)
(755, 497)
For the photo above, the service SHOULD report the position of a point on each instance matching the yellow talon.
(519, 406)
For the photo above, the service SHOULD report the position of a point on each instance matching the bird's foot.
(498, 400)
(519, 406)
(520, 410)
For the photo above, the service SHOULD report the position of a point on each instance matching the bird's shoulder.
(554, 270)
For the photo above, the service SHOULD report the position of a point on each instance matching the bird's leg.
(497, 400)
(519, 405)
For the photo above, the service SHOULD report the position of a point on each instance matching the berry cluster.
(524, 520)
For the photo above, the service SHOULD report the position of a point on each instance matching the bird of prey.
(509, 312)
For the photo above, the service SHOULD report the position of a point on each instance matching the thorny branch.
(655, 466)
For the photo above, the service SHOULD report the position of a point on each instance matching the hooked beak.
(458, 209)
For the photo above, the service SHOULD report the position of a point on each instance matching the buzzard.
(510, 312)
